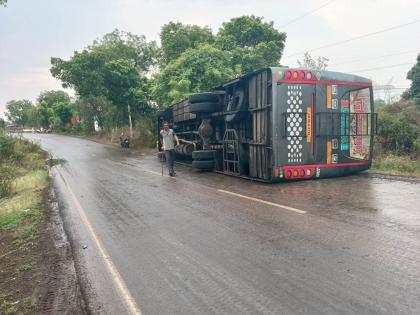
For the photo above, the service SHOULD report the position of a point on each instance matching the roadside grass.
(24, 267)
(28, 306)
(22, 209)
(396, 165)
(21, 215)
(25, 200)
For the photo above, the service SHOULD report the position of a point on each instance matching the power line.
(355, 38)
(307, 13)
(385, 67)
(390, 88)
(373, 58)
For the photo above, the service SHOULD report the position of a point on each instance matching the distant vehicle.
(44, 130)
(278, 124)
(124, 141)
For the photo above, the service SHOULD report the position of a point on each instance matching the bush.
(7, 146)
(144, 132)
(17, 156)
(399, 128)
(7, 175)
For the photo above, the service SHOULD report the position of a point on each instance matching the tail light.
(294, 75)
(302, 75)
(295, 172)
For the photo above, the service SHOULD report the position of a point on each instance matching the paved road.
(188, 246)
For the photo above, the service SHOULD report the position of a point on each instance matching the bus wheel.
(204, 97)
(206, 165)
(236, 103)
(205, 107)
(204, 155)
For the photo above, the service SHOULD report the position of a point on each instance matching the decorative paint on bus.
(294, 122)
(344, 125)
(359, 124)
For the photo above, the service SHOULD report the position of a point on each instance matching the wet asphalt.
(183, 246)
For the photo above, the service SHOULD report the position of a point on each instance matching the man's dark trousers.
(170, 156)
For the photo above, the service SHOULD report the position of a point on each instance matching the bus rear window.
(360, 124)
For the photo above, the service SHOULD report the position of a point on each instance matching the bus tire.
(204, 97)
(206, 165)
(205, 107)
(236, 104)
(204, 155)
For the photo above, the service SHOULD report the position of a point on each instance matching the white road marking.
(263, 201)
(122, 289)
(246, 197)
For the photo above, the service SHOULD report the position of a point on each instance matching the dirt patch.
(37, 274)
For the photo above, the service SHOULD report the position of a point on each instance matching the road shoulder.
(39, 276)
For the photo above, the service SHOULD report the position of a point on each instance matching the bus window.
(360, 124)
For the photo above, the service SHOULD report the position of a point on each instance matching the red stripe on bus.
(366, 84)
(312, 125)
(325, 165)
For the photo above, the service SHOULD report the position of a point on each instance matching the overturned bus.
(278, 124)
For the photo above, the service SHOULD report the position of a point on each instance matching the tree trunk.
(130, 122)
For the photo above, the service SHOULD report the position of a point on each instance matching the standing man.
(168, 146)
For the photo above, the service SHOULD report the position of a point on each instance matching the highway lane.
(205, 243)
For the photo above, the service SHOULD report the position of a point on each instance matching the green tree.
(196, 60)
(121, 80)
(52, 97)
(195, 70)
(307, 62)
(33, 119)
(176, 38)
(113, 68)
(118, 44)
(18, 111)
(89, 109)
(44, 115)
(2, 123)
(63, 111)
(414, 75)
(254, 43)
(48, 109)
(83, 73)
(125, 88)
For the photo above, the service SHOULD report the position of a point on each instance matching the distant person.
(125, 143)
(168, 146)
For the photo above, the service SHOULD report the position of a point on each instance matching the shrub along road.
(37, 273)
(208, 243)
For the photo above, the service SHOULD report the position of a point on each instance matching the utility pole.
(129, 120)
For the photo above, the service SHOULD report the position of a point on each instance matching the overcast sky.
(31, 31)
